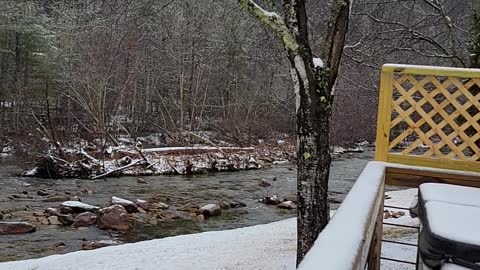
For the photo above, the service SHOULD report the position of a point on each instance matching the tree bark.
(314, 88)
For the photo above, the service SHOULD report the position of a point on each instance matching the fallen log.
(138, 162)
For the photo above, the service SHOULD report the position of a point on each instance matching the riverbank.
(270, 246)
(92, 162)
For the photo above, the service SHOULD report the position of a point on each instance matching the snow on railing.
(352, 238)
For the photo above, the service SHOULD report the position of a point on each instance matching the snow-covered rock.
(79, 206)
(31, 172)
(130, 206)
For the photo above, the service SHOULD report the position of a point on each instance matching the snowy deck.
(356, 236)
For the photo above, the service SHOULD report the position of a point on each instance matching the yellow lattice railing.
(429, 116)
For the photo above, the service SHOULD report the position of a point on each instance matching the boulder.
(272, 200)
(89, 245)
(53, 220)
(287, 205)
(224, 205)
(79, 207)
(142, 204)
(201, 218)
(65, 219)
(65, 210)
(59, 247)
(141, 180)
(84, 219)
(114, 217)
(16, 228)
(130, 206)
(125, 161)
(42, 192)
(209, 210)
(237, 204)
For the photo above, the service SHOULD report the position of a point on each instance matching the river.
(174, 190)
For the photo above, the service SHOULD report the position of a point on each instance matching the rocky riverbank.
(120, 215)
(91, 163)
(133, 161)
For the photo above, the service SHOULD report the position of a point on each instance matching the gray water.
(174, 190)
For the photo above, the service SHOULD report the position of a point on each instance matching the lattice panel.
(433, 116)
(429, 116)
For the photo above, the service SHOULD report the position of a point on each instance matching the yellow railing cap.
(432, 70)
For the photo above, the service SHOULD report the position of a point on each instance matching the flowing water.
(174, 190)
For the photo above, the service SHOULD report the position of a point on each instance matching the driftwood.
(138, 162)
(208, 141)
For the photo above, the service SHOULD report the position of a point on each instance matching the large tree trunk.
(314, 82)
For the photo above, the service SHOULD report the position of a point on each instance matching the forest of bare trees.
(102, 69)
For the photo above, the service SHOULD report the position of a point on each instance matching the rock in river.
(65, 219)
(209, 210)
(84, 219)
(114, 217)
(287, 205)
(89, 245)
(130, 206)
(143, 204)
(42, 192)
(16, 227)
(79, 206)
(272, 200)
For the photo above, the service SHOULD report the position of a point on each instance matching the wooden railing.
(429, 116)
(352, 239)
(428, 131)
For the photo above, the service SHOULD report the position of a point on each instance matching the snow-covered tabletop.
(450, 194)
(459, 223)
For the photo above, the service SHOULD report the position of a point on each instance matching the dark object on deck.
(443, 237)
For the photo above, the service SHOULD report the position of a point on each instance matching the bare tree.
(314, 81)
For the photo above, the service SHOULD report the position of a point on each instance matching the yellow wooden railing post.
(384, 116)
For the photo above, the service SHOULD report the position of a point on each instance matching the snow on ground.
(400, 198)
(270, 246)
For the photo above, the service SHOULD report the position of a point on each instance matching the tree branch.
(274, 21)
